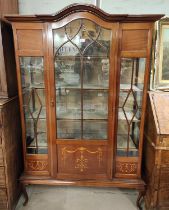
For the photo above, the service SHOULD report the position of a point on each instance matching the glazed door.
(84, 86)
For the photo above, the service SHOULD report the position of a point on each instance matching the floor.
(78, 198)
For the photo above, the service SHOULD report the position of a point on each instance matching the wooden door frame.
(114, 27)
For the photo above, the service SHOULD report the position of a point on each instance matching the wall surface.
(111, 6)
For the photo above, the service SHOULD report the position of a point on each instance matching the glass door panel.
(34, 106)
(68, 129)
(68, 72)
(130, 102)
(81, 60)
(68, 103)
(95, 129)
(96, 73)
(95, 104)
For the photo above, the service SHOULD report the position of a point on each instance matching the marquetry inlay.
(126, 168)
(37, 165)
(81, 162)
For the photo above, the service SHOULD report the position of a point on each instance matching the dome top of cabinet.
(76, 8)
(160, 107)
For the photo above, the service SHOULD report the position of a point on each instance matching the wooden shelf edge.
(138, 184)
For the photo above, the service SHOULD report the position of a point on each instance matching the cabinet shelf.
(85, 87)
(86, 115)
(127, 87)
(35, 114)
(129, 116)
(122, 142)
(73, 57)
(33, 87)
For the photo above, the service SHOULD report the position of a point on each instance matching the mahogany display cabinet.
(83, 77)
(156, 152)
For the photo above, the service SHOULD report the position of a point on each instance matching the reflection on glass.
(130, 102)
(68, 129)
(132, 73)
(95, 129)
(68, 72)
(96, 73)
(34, 104)
(82, 37)
(95, 104)
(81, 60)
(68, 103)
(32, 71)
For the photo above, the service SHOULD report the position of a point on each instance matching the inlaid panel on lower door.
(82, 160)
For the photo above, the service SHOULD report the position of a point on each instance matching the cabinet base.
(137, 184)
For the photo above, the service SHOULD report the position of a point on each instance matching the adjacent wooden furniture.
(8, 7)
(156, 152)
(83, 77)
(11, 165)
(8, 80)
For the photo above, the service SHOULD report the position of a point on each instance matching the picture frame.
(161, 54)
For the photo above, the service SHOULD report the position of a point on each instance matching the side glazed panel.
(133, 80)
(31, 65)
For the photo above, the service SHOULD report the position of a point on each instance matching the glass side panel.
(81, 60)
(32, 79)
(130, 105)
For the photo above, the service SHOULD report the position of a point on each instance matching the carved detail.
(126, 168)
(75, 8)
(37, 165)
(81, 162)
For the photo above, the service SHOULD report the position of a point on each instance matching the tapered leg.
(140, 197)
(25, 194)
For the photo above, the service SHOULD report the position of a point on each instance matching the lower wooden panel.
(3, 199)
(164, 176)
(126, 167)
(37, 165)
(1, 157)
(163, 196)
(2, 177)
(77, 161)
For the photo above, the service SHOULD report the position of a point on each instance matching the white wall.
(111, 6)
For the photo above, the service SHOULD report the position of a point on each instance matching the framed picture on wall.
(161, 75)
